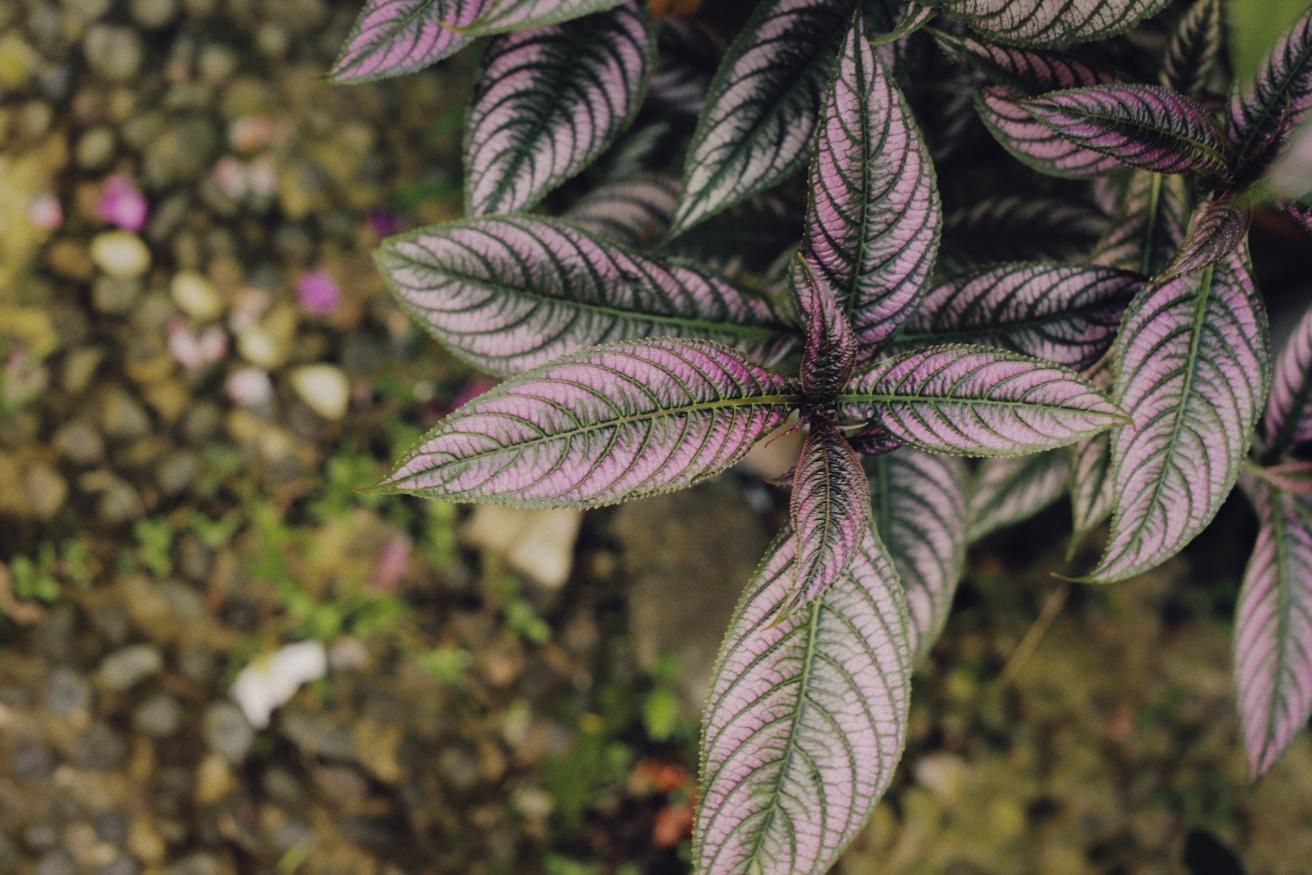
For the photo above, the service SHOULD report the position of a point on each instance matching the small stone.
(46, 489)
(270, 682)
(45, 212)
(67, 694)
(538, 544)
(228, 732)
(154, 13)
(120, 254)
(122, 416)
(160, 716)
(114, 295)
(99, 749)
(128, 667)
(214, 780)
(95, 148)
(196, 296)
(113, 52)
(323, 388)
(249, 387)
(79, 367)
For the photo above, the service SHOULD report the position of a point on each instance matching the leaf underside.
(830, 511)
(760, 113)
(510, 294)
(1288, 419)
(611, 423)
(1046, 23)
(1067, 314)
(971, 400)
(873, 218)
(1192, 369)
(806, 718)
(548, 102)
(920, 511)
(1009, 491)
(1273, 630)
(1144, 126)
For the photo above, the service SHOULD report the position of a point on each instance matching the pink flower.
(123, 205)
(393, 563)
(318, 292)
(44, 212)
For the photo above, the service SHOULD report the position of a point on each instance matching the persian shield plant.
(1082, 316)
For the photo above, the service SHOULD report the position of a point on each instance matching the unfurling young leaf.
(972, 400)
(760, 113)
(1263, 112)
(873, 219)
(1067, 314)
(1194, 50)
(634, 211)
(806, 719)
(1143, 126)
(920, 511)
(1150, 225)
(550, 100)
(1191, 371)
(1049, 23)
(1009, 491)
(607, 424)
(830, 511)
(393, 37)
(510, 294)
(830, 349)
(1273, 630)
(1288, 419)
(1219, 227)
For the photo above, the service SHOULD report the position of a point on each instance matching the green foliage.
(1255, 26)
(520, 616)
(155, 545)
(449, 665)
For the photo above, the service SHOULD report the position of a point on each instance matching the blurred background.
(217, 657)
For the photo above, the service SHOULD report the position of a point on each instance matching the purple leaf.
(1091, 475)
(1192, 370)
(1219, 228)
(1025, 71)
(1149, 227)
(830, 511)
(1280, 97)
(1143, 126)
(1050, 23)
(632, 211)
(507, 15)
(873, 219)
(1009, 491)
(1288, 418)
(972, 400)
(830, 346)
(688, 54)
(759, 118)
(1067, 314)
(1194, 50)
(806, 719)
(393, 37)
(549, 101)
(911, 18)
(920, 510)
(509, 294)
(1292, 477)
(873, 440)
(608, 424)
(1299, 214)
(1273, 631)
(1019, 228)
(1034, 143)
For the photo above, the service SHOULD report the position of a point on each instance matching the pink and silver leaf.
(1191, 371)
(1020, 228)
(509, 294)
(1194, 50)
(1273, 630)
(830, 349)
(830, 511)
(1034, 143)
(1279, 99)
(1219, 227)
(758, 123)
(978, 401)
(1064, 313)
(1008, 491)
(1144, 126)
(1048, 23)
(394, 37)
(1149, 226)
(873, 217)
(806, 719)
(1027, 71)
(611, 423)
(1288, 417)
(919, 506)
(634, 211)
(549, 101)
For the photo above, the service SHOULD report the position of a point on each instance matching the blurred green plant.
(1255, 26)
